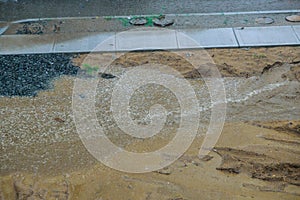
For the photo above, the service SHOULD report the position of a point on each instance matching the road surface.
(22, 9)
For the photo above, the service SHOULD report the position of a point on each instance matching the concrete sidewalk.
(151, 38)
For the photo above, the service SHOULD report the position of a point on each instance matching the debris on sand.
(293, 75)
(269, 67)
(258, 166)
(285, 172)
(270, 188)
(40, 190)
(206, 158)
(107, 76)
(289, 126)
(60, 120)
(165, 171)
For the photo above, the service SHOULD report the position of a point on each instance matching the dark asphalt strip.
(24, 9)
(25, 75)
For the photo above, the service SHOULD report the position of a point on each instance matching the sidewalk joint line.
(177, 43)
(298, 37)
(54, 42)
(235, 36)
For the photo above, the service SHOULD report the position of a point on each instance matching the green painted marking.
(89, 69)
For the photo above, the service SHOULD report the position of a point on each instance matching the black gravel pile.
(32, 28)
(25, 75)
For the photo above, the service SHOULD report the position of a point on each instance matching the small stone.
(56, 28)
(293, 18)
(165, 171)
(206, 158)
(163, 22)
(264, 20)
(59, 120)
(107, 76)
(138, 21)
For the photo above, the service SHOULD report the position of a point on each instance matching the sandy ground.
(256, 157)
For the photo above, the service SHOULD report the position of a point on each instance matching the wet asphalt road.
(22, 9)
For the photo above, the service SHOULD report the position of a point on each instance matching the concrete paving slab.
(85, 42)
(297, 31)
(103, 42)
(149, 39)
(146, 40)
(266, 36)
(22, 44)
(210, 38)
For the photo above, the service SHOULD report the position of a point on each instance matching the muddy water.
(257, 154)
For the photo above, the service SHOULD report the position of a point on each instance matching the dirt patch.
(270, 188)
(258, 166)
(132, 59)
(247, 62)
(285, 172)
(292, 126)
(43, 156)
(230, 62)
(27, 187)
(159, 57)
(294, 74)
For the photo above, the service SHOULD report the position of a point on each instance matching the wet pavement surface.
(22, 9)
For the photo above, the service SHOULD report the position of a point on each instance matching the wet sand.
(256, 157)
